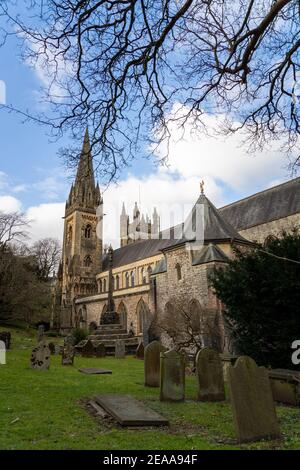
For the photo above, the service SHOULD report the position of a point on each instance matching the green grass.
(42, 409)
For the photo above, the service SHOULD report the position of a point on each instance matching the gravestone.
(2, 352)
(252, 401)
(40, 333)
(58, 349)
(5, 336)
(152, 363)
(285, 386)
(172, 376)
(88, 349)
(210, 375)
(119, 349)
(99, 350)
(68, 354)
(129, 411)
(40, 357)
(94, 371)
(52, 348)
(139, 354)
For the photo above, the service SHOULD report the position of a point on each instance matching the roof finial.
(202, 187)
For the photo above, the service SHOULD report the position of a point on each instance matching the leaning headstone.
(5, 336)
(139, 354)
(40, 333)
(88, 349)
(119, 349)
(252, 401)
(69, 339)
(40, 357)
(68, 354)
(210, 375)
(52, 348)
(285, 386)
(172, 376)
(152, 363)
(100, 350)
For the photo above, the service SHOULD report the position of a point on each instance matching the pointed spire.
(85, 172)
(123, 209)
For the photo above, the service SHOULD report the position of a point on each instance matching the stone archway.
(144, 317)
(122, 311)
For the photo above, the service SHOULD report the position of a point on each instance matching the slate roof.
(272, 204)
(216, 229)
(210, 253)
(161, 267)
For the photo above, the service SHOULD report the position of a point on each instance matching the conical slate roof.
(216, 227)
(209, 254)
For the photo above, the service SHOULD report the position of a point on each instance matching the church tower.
(82, 242)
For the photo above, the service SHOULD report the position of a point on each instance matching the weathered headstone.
(172, 376)
(40, 333)
(68, 354)
(119, 349)
(2, 352)
(88, 349)
(52, 348)
(5, 336)
(285, 386)
(100, 350)
(40, 357)
(210, 376)
(152, 363)
(140, 351)
(252, 401)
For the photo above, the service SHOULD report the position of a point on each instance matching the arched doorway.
(122, 311)
(144, 317)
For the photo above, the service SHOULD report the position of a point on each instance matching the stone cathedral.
(143, 279)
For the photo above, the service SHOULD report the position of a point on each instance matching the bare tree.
(188, 327)
(122, 65)
(12, 229)
(47, 254)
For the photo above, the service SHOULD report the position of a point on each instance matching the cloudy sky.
(33, 179)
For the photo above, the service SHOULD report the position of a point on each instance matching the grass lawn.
(42, 409)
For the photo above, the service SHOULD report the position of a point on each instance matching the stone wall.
(260, 232)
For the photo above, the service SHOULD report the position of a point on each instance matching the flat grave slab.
(94, 370)
(129, 411)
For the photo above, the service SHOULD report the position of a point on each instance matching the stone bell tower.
(82, 242)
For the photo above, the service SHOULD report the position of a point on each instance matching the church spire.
(85, 172)
(84, 193)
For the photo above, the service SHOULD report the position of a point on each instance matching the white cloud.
(20, 188)
(222, 159)
(52, 186)
(46, 221)
(10, 204)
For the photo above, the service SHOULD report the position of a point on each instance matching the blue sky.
(34, 180)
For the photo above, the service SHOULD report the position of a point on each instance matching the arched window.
(132, 278)
(87, 261)
(100, 286)
(149, 270)
(143, 273)
(127, 279)
(104, 285)
(113, 282)
(122, 311)
(178, 271)
(117, 282)
(87, 231)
